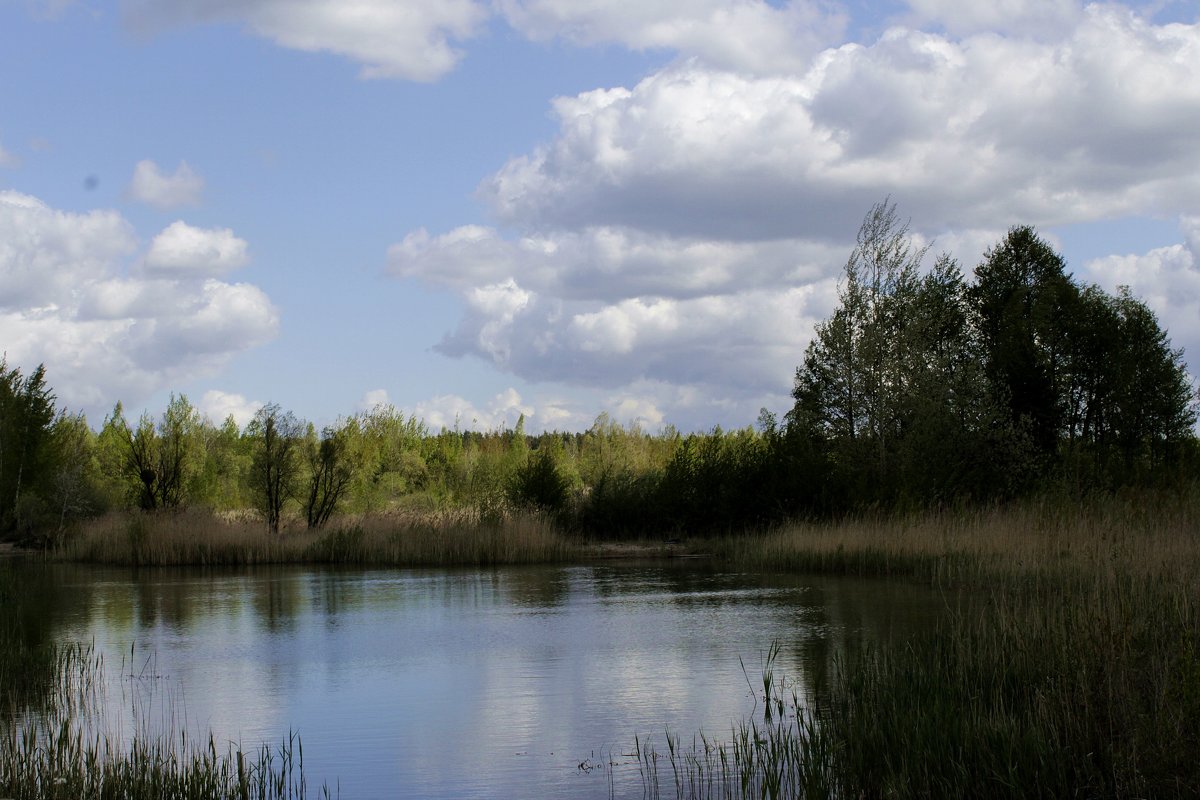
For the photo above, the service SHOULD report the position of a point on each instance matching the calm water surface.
(490, 683)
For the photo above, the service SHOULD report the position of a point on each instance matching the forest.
(925, 389)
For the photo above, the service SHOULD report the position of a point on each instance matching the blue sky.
(475, 209)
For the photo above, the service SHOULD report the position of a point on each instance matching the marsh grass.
(1155, 535)
(405, 539)
(57, 745)
(1087, 690)
(1075, 674)
(787, 756)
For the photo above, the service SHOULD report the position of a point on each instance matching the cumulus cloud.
(374, 398)
(151, 186)
(219, 406)
(417, 40)
(608, 262)
(106, 334)
(1167, 279)
(675, 241)
(749, 340)
(410, 40)
(450, 411)
(638, 411)
(1034, 18)
(983, 131)
(45, 253)
(638, 405)
(184, 250)
(743, 35)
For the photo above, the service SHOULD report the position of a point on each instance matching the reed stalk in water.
(1077, 673)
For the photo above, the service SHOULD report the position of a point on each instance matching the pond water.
(490, 683)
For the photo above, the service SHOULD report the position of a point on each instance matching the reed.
(1148, 534)
(1075, 672)
(464, 537)
(1091, 689)
(56, 745)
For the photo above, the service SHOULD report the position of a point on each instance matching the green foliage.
(222, 478)
(26, 464)
(275, 467)
(160, 462)
(539, 484)
(929, 391)
(1024, 302)
(329, 474)
(923, 388)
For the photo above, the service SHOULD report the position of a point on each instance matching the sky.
(478, 209)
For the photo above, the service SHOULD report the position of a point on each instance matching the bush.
(539, 485)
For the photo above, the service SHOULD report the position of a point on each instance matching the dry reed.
(1076, 672)
(1150, 535)
(201, 539)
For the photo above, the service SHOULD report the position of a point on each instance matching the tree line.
(923, 388)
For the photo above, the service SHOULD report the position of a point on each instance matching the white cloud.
(745, 342)
(675, 242)
(743, 35)
(608, 263)
(638, 411)
(556, 415)
(453, 412)
(1191, 232)
(1167, 279)
(1035, 18)
(151, 186)
(373, 399)
(45, 253)
(219, 406)
(983, 132)
(410, 40)
(416, 40)
(183, 250)
(104, 335)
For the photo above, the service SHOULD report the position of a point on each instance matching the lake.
(461, 683)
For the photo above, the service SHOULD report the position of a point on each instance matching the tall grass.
(56, 745)
(1148, 534)
(1092, 691)
(464, 537)
(1077, 674)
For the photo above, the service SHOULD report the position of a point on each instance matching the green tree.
(388, 447)
(329, 474)
(956, 438)
(72, 492)
(275, 468)
(223, 457)
(539, 483)
(1154, 402)
(160, 460)
(851, 388)
(1024, 301)
(26, 416)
